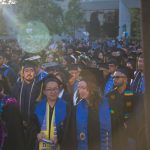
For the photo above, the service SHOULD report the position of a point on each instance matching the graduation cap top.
(33, 58)
(51, 78)
(68, 59)
(73, 67)
(123, 70)
(103, 66)
(112, 61)
(29, 64)
(31, 61)
(126, 71)
(51, 65)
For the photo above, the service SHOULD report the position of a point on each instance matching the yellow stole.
(45, 130)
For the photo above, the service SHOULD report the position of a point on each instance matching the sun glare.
(7, 2)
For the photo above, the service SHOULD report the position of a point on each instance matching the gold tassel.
(40, 95)
(21, 73)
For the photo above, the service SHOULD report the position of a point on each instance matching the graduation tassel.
(40, 95)
(21, 73)
(55, 138)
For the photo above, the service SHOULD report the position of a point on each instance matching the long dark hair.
(94, 91)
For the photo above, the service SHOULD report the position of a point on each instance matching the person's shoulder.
(112, 94)
(104, 101)
(61, 102)
(41, 102)
(5, 66)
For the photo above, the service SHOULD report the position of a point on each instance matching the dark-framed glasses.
(117, 77)
(52, 89)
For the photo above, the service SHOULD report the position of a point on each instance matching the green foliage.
(3, 30)
(136, 23)
(110, 26)
(73, 17)
(45, 11)
(94, 25)
(48, 12)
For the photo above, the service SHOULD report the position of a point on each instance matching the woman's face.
(100, 55)
(49, 58)
(83, 90)
(74, 76)
(93, 64)
(141, 64)
(51, 91)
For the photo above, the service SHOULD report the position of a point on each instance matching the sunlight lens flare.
(33, 37)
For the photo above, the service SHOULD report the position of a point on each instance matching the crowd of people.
(73, 95)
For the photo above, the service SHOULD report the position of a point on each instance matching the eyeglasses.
(117, 77)
(52, 90)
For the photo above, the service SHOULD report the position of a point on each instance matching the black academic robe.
(93, 130)
(117, 104)
(14, 128)
(64, 137)
(26, 95)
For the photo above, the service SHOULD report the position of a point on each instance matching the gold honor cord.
(53, 131)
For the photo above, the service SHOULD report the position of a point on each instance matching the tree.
(3, 28)
(45, 11)
(94, 25)
(136, 23)
(110, 26)
(73, 17)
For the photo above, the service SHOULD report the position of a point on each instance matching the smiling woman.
(51, 113)
(91, 121)
(88, 90)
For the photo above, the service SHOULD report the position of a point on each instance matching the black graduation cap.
(65, 75)
(51, 77)
(134, 54)
(116, 53)
(69, 59)
(132, 61)
(126, 71)
(84, 58)
(51, 66)
(29, 63)
(112, 61)
(88, 74)
(73, 67)
(77, 53)
(103, 65)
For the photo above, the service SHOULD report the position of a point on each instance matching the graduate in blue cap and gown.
(51, 113)
(91, 122)
(109, 83)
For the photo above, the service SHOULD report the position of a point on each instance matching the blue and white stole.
(75, 91)
(138, 84)
(41, 75)
(82, 125)
(109, 85)
(58, 117)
